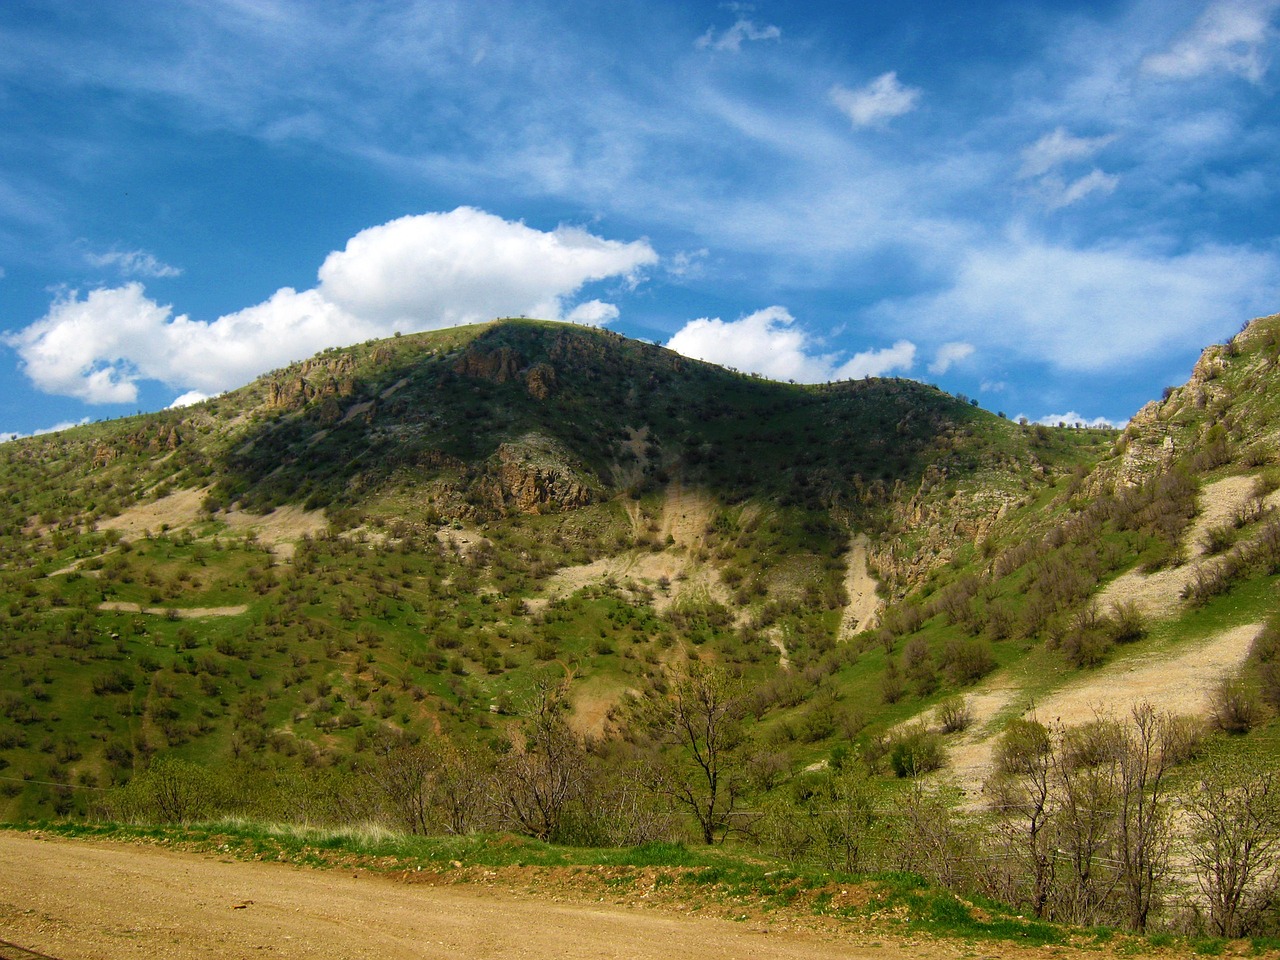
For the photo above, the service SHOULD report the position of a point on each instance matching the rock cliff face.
(532, 475)
(317, 379)
(504, 365)
(1228, 390)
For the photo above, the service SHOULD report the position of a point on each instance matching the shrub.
(915, 751)
(954, 714)
(967, 661)
(1234, 706)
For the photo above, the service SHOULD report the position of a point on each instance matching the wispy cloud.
(883, 99)
(1057, 149)
(1231, 36)
(1043, 162)
(733, 37)
(133, 263)
(1101, 308)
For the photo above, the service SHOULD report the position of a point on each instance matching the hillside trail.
(1159, 594)
(73, 899)
(1178, 683)
(864, 604)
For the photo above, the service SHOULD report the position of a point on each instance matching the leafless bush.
(954, 714)
(1234, 706)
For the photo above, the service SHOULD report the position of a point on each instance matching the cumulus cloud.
(1230, 36)
(948, 355)
(468, 265)
(415, 273)
(732, 38)
(1094, 309)
(882, 99)
(769, 342)
(1073, 419)
(878, 363)
(133, 263)
(188, 399)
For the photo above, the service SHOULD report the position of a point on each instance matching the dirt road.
(78, 899)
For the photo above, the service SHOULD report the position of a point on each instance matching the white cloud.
(1096, 309)
(1057, 149)
(56, 428)
(133, 263)
(1231, 36)
(1073, 419)
(882, 99)
(442, 269)
(731, 39)
(415, 273)
(769, 343)
(188, 399)
(593, 313)
(878, 363)
(948, 355)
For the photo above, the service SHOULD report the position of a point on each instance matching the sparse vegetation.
(532, 578)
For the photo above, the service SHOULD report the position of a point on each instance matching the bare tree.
(700, 721)
(543, 773)
(1086, 778)
(1020, 790)
(1142, 824)
(1235, 832)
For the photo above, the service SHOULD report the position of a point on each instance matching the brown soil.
(74, 899)
(79, 899)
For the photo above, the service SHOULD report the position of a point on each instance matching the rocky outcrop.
(532, 475)
(316, 379)
(504, 365)
(500, 365)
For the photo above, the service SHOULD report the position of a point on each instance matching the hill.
(402, 569)
(397, 532)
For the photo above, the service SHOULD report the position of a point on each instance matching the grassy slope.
(393, 627)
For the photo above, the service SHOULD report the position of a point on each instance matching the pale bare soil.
(280, 529)
(1177, 684)
(671, 573)
(183, 613)
(77, 899)
(1159, 594)
(175, 511)
(864, 604)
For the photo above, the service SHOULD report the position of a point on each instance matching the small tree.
(700, 722)
(1142, 824)
(1235, 833)
(543, 773)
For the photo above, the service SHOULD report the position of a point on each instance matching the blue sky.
(1049, 207)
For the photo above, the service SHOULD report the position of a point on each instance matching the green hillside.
(468, 580)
